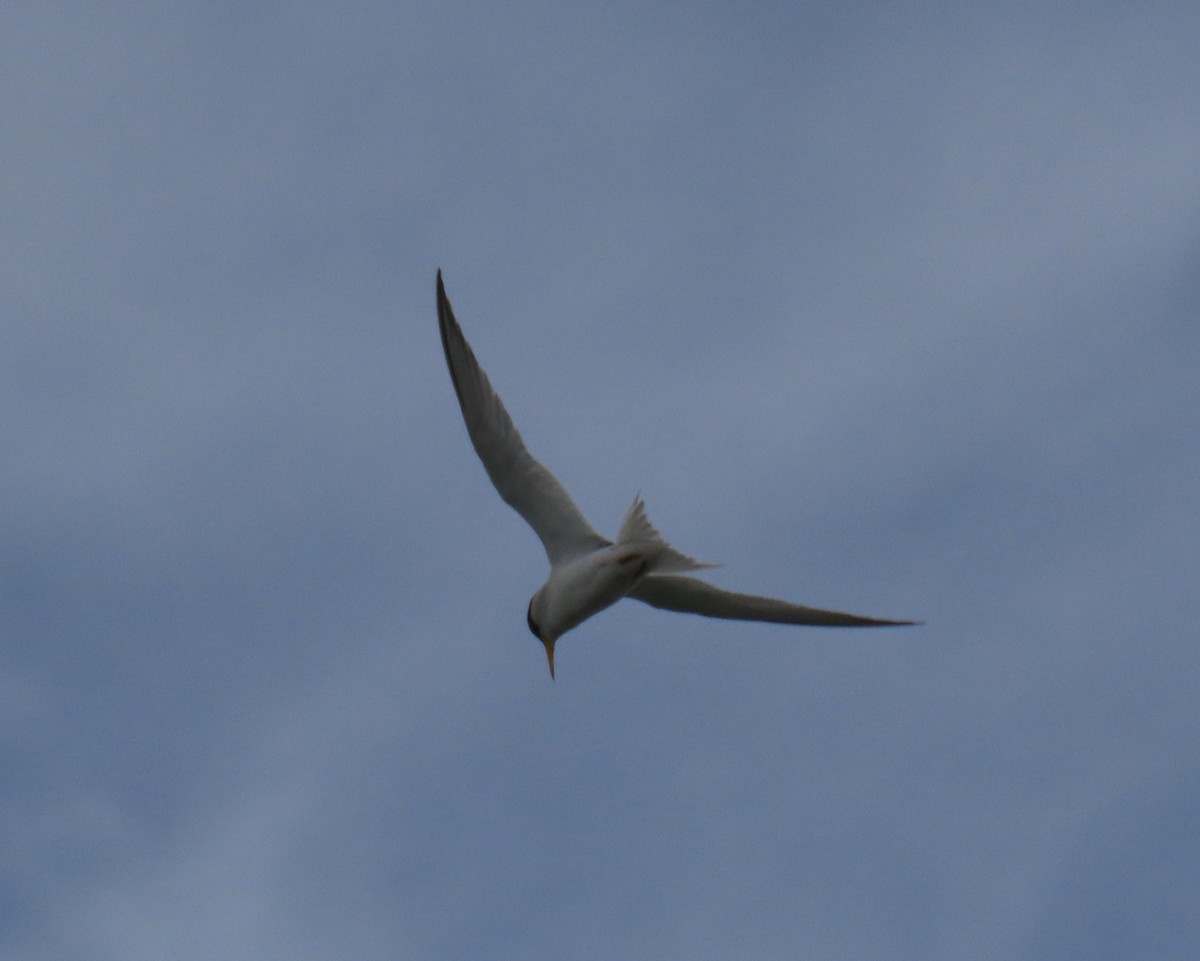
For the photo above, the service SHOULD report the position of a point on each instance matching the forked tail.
(638, 534)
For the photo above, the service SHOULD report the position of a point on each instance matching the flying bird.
(588, 572)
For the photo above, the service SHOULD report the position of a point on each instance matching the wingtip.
(445, 311)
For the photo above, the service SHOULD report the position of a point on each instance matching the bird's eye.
(537, 631)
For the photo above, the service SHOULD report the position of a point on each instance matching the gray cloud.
(885, 309)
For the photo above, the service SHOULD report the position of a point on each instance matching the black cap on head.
(534, 629)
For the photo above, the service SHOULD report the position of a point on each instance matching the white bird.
(588, 572)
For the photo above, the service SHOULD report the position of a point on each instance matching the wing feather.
(523, 483)
(691, 596)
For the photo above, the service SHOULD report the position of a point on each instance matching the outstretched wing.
(526, 486)
(691, 596)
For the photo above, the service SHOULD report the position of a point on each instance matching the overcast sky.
(893, 308)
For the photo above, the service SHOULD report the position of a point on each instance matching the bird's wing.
(530, 489)
(691, 596)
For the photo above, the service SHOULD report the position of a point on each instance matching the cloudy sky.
(893, 308)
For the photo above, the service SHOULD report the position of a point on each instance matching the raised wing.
(526, 486)
(691, 596)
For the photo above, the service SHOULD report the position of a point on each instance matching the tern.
(588, 572)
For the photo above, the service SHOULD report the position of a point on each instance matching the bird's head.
(536, 630)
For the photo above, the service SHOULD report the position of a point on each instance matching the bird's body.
(598, 577)
(588, 572)
(581, 587)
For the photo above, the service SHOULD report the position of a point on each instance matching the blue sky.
(889, 308)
